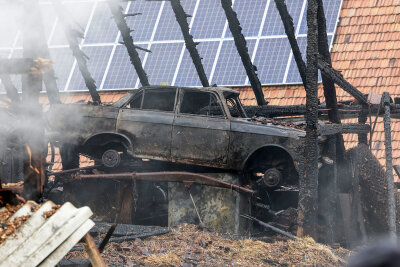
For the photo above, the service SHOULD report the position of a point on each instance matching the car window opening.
(201, 103)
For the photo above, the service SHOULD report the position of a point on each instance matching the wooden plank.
(67, 245)
(59, 237)
(93, 252)
(39, 237)
(27, 229)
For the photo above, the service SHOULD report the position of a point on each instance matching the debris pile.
(187, 244)
(263, 120)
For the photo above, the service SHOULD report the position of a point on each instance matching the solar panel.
(9, 33)
(97, 65)
(143, 25)
(209, 21)
(168, 28)
(250, 16)
(121, 73)
(331, 8)
(158, 30)
(273, 24)
(161, 63)
(187, 74)
(79, 14)
(272, 65)
(229, 69)
(63, 60)
(293, 75)
(102, 28)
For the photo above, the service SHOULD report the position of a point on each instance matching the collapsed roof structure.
(166, 51)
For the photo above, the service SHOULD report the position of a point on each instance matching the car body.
(200, 126)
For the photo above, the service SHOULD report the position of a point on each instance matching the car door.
(200, 133)
(148, 119)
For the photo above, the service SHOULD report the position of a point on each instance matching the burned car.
(198, 126)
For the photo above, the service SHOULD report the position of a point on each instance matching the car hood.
(256, 127)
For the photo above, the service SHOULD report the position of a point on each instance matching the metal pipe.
(187, 178)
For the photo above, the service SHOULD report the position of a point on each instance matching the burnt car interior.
(200, 103)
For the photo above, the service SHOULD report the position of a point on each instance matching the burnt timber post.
(181, 18)
(81, 58)
(38, 41)
(32, 112)
(389, 166)
(241, 45)
(119, 19)
(308, 195)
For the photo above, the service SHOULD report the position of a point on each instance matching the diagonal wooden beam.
(241, 45)
(181, 18)
(81, 59)
(290, 32)
(119, 19)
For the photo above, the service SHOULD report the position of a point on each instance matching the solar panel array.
(157, 30)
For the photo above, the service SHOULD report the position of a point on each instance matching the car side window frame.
(180, 101)
(132, 98)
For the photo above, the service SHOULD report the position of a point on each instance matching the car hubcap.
(272, 177)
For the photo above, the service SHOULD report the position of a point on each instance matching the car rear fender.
(102, 139)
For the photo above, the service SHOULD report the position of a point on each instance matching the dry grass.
(189, 245)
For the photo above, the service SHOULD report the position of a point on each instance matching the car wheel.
(111, 158)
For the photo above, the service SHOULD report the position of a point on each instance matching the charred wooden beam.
(181, 18)
(188, 178)
(119, 18)
(337, 77)
(308, 194)
(290, 32)
(345, 111)
(241, 45)
(275, 111)
(72, 38)
(362, 119)
(331, 129)
(389, 166)
(327, 194)
(11, 90)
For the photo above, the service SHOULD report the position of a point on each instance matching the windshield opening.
(235, 107)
